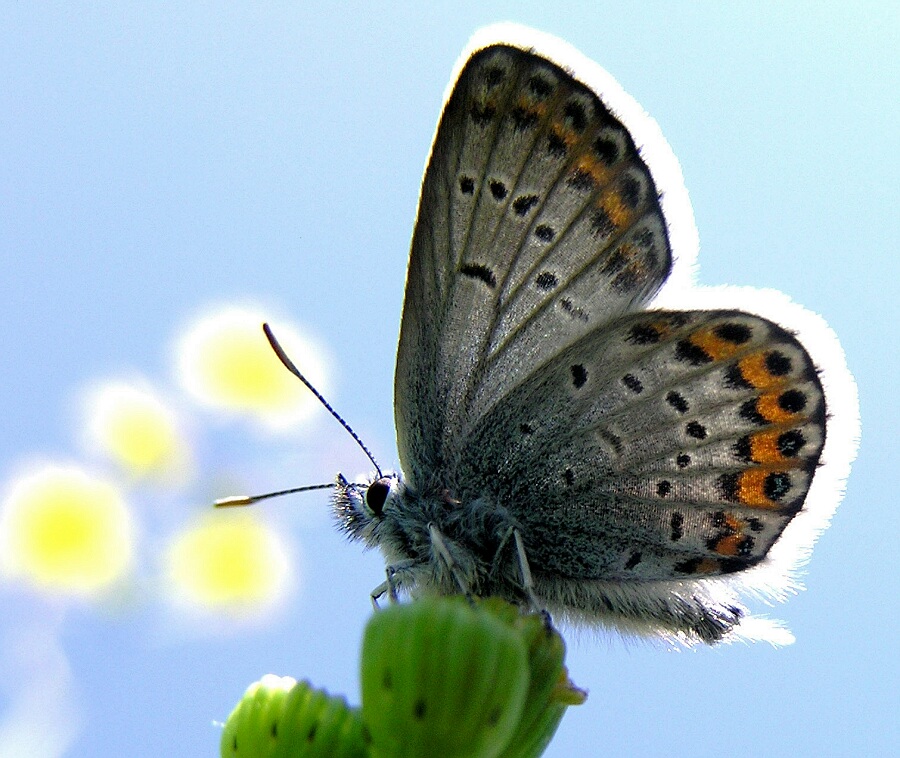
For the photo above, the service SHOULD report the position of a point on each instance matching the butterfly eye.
(376, 496)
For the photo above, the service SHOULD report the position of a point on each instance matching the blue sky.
(158, 161)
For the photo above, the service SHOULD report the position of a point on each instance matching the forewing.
(667, 445)
(538, 223)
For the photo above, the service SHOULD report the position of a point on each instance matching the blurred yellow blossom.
(132, 426)
(228, 561)
(225, 362)
(65, 530)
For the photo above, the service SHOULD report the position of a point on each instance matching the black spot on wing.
(575, 116)
(579, 375)
(556, 145)
(696, 430)
(644, 334)
(792, 401)
(540, 87)
(778, 364)
(544, 233)
(573, 310)
(524, 203)
(676, 524)
(606, 149)
(688, 352)
(601, 223)
(737, 334)
(790, 443)
(633, 383)
(677, 401)
(480, 272)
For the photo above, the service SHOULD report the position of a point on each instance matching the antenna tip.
(229, 502)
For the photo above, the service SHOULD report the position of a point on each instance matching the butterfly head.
(366, 511)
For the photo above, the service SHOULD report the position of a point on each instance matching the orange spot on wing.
(595, 168)
(764, 448)
(751, 489)
(717, 348)
(769, 407)
(611, 202)
(663, 327)
(560, 131)
(536, 109)
(734, 523)
(728, 545)
(753, 369)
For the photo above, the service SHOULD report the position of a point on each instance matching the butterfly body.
(476, 534)
(564, 439)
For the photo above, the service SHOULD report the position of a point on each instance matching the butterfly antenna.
(230, 502)
(289, 365)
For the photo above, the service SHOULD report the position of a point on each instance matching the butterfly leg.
(379, 592)
(443, 552)
(528, 582)
(495, 564)
(390, 585)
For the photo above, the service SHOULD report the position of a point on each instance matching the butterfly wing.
(538, 221)
(652, 461)
(668, 445)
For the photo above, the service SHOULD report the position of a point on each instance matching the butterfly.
(578, 430)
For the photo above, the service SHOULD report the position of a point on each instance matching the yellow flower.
(228, 562)
(225, 362)
(65, 530)
(136, 429)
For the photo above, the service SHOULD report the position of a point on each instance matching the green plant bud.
(549, 690)
(441, 677)
(280, 717)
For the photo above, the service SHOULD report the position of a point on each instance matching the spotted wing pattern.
(538, 222)
(667, 445)
(626, 444)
